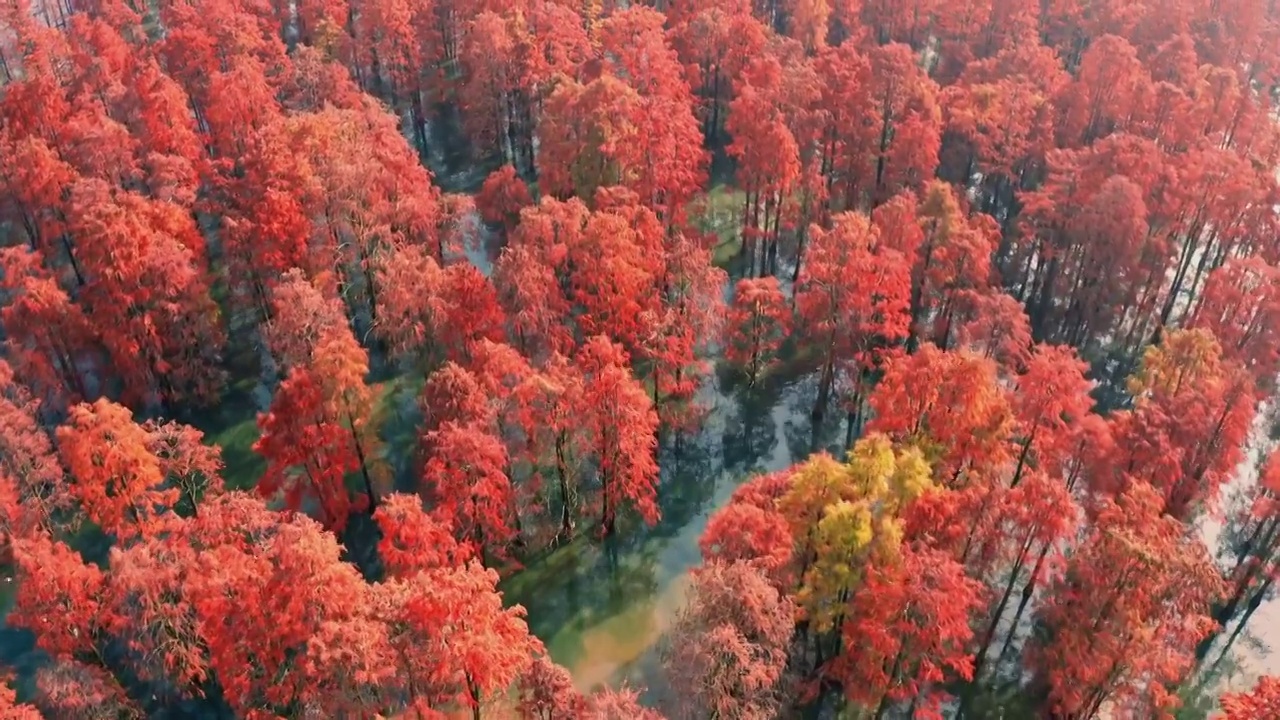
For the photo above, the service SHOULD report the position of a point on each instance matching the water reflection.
(602, 607)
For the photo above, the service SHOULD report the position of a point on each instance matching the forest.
(323, 323)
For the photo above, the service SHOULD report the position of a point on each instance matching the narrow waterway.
(602, 608)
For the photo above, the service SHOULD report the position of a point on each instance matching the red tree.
(285, 622)
(47, 336)
(1124, 620)
(502, 197)
(757, 324)
(950, 403)
(852, 301)
(412, 540)
(456, 644)
(621, 424)
(908, 632)
(11, 709)
(308, 454)
(59, 597)
(329, 406)
(118, 481)
(467, 477)
(728, 650)
(1262, 701)
(27, 459)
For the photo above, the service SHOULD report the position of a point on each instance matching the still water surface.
(602, 608)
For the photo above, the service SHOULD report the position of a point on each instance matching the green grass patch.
(243, 466)
(719, 211)
(724, 254)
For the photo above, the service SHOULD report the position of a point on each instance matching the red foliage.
(469, 311)
(454, 394)
(455, 642)
(411, 284)
(908, 631)
(536, 308)
(758, 321)
(743, 532)
(119, 482)
(11, 709)
(1186, 432)
(1263, 701)
(502, 197)
(412, 540)
(47, 336)
(951, 401)
(190, 465)
(852, 300)
(621, 425)
(308, 454)
(59, 597)
(466, 476)
(1129, 611)
(283, 619)
(620, 704)
(953, 180)
(27, 460)
(729, 646)
(77, 691)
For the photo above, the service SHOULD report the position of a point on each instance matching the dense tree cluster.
(1026, 252)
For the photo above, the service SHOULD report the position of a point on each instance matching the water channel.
(602, 607)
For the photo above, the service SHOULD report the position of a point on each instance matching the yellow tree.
(845, 516)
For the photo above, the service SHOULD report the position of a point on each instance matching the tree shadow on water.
(750, 430)
(804, 434)
(581, 585)
(690, 471)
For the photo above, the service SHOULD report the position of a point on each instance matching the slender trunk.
(1040, 313)
(562, 472)
(713, 130)
(1184, 263)
(989, 635)
(883, 706)
(71, 255)
(474, 689)
(1027, 592)
(1022, 457)
(917, 296)
(886, 132)
(364, 465)
(419, 125)
(973, 527)
(606, 492)
(802, 232)
(824, 384)
(1255, 601)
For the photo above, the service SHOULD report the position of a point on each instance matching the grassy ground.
(243, 465)
(720, 212)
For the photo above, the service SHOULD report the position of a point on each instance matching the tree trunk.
(364, 465)
(566, 511)
(984, 646)
(824, 384)
(419, 129)
(1255, 601)
(1027, 591)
